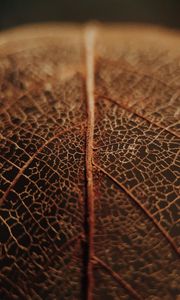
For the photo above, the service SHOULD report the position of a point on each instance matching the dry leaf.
(89, 163)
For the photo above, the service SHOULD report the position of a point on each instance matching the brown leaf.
(89, 163)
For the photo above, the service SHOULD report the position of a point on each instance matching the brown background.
(16, 12)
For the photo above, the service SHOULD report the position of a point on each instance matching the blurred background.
(16, 12)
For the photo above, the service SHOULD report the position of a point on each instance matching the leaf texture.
(89, 158)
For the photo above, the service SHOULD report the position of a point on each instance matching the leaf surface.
(89, 163)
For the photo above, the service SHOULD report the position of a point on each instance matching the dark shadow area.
(16, 12)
